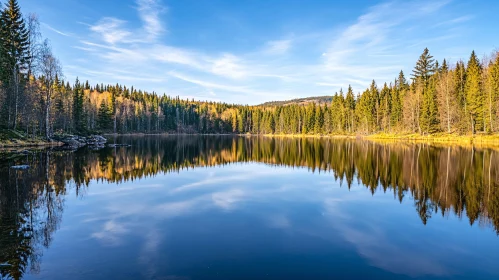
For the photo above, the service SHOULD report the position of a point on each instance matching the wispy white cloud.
(56, 30)
(370, 48)
(210, 85)
(111, 30)
(376, 46)
(229, 66)
(149, 12)
(277, 47)
(169, 54)
(456, 20)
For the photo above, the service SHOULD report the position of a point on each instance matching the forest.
(36, 101)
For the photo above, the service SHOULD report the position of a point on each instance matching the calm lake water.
(221, 207)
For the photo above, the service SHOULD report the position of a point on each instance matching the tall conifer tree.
(350, 106)
(15, 39)
(474, 93)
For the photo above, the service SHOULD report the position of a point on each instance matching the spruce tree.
(365, 111)
(385, 107)
(398, 95)
(350, 107)
(310, 118)
(396, 112)
(445, 68)
(401, 81)
(425, 67)
(338, 113)
(374, 99)
(493, 80)
(104, 116)
(429, 110)
(14, 47)
(319, 120)
(79, 124)
(460, 82)
(474, 93)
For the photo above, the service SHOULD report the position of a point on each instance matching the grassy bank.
(13, 138)
(440, 138)
(478, 139)
(413, 137)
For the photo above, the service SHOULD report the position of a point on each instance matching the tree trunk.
(490, 109)
(16, 101)
(447, 101)
(47, 117)
(472, 125)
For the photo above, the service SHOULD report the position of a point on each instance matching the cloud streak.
(277, 47)
(111, 31)
(55, 30)
(377, 45)
(149, 12)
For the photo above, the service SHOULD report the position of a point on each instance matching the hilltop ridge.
(300, 101)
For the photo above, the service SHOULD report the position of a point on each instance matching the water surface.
(221, 207)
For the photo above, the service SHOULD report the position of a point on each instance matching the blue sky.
(252, 51)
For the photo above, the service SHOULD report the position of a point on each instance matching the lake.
(227, 207)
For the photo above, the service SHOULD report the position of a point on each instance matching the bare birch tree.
(50, 70)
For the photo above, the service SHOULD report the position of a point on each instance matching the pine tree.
(474, 93)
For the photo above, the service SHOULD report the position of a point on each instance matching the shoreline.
(22, 144)
(441, 138)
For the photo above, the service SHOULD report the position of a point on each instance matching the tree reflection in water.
(445, 180)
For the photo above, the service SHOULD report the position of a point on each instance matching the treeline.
(462, 99)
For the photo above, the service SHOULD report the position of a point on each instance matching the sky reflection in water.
(254, 220)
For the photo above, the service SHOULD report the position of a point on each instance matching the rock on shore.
(74, 142)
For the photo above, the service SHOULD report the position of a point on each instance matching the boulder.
(73, 142)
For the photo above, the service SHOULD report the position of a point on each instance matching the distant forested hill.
(301, 101)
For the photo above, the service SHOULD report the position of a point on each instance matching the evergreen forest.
(459, 98)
